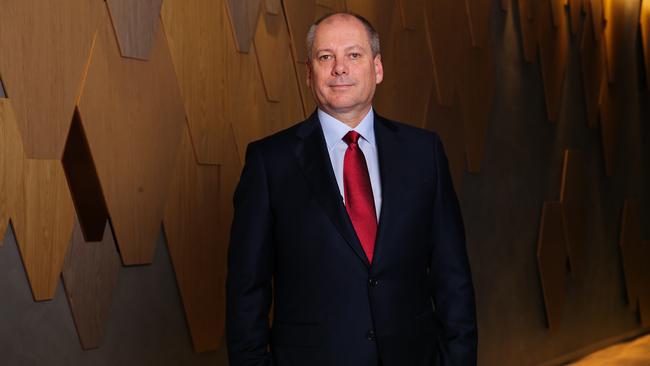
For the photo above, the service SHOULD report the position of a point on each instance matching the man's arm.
(451, 280)
(250, 267)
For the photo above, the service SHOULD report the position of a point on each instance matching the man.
(355, 237)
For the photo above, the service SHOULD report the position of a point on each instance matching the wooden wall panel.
(479, 21)
(610, 112)
(557, 11)
(592, 58)
(309, 105)
(90, 275)
(137, 107)
(193, 232)
(199, 37)
(529, 29)
(645, 37)
(450, 39)
(575, 13)
(136, 25)
(11, 165)
(411, 12)
(3, 94)
(404, 96)
(597, 17)
(551, 259)
(554, 51)
(300, 14)
(244, 15)
(272, 46)
(505, 5)
(43, 224)
(573, 200)
(273, 6)
(42, 66)
(631, 250)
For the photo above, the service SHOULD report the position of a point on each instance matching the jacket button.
(373, 282)
(371, 335)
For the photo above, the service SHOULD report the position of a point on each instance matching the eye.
(355, 55)
(325, 57)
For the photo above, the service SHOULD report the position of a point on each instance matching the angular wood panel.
(136, 24)
(410, 12)
(554, 52)
(133, 117)
(575, 12)
(631, 250)
(201, 42)
(479, 21)
(43, 224)
(300, 14)
(597, 16)
(11, 165)
(617, 17)
(42, 66)
(529, 29)
(90, 275)
(573, 199)
(644, 21)
(3, 94)
(273, 6)
(309, 105)
(243, 18)
(644, 296)
(557, 11)
(610, 114)
(505, 5)
(404, 95)
(551, 261)
(196, 223)
(449, 35)
(272, 46)
(594, 79)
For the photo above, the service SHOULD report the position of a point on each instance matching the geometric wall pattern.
(158, 100)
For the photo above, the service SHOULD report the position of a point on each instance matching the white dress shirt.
(334, 131)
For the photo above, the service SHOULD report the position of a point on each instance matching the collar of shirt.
(334, 130)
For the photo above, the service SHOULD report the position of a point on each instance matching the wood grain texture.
(450, 40)
(477, 88)
(479, 22)
(597, 16)
(557, 11)
(136, 24)
(410, 12)
(505, 5)
(198, 242)
(404, 96)
(43, 224)
(201, 43)
(243, 19)
(592, 59)
(644, 21)
(11, 165)
(447, 122)
(309, 105)
(137, 107)
(573, 200)
(575, 13)
(42, 66)
(610, 110)
(551, 261)
(3, 94)
(273, 6)
(90, 275)
(273, 51)
(617, 17)
(300, 14)
(529, 29)
(554, 52)
(631, 250)
(644, 295)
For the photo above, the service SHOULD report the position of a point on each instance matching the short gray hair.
(373, 36)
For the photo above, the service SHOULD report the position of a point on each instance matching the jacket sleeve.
(250, 267)
(451, 279)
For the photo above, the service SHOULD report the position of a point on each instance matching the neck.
(350, 118)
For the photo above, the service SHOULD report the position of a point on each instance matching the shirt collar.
(334, 130)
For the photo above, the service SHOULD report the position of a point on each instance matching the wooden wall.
(119, 118)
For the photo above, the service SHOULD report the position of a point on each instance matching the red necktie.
(359, 201)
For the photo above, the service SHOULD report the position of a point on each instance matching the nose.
(340, 68)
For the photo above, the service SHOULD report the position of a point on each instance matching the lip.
(341, 86)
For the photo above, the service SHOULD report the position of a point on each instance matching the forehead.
(341, 30)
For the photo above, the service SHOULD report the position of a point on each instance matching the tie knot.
(351, 137)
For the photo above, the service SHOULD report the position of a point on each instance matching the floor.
(633, 353)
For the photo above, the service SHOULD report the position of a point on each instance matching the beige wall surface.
(143, 111)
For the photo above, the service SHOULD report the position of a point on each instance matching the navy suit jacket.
(293, 245)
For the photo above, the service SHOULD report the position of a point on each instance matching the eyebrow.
(355, 46)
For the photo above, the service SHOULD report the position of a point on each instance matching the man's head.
(344, 65)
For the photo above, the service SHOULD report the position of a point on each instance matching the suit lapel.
(388, 151)
(314, 161)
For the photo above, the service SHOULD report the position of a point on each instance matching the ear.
(309, 73)
(379, 69)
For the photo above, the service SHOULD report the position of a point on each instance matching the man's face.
(343, 73)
